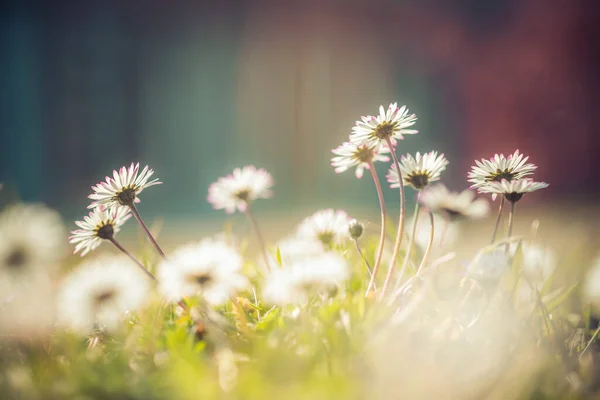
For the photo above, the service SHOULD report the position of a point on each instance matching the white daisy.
(240, 188)
(328, 226)
(513, 190)
(538, 262)
(101, 291)
(101, 224)
(297, 282)
(489, 266)
(27, 304)
(497, 168)
(30, 236)
(453, 205)
(418, 171)
(390, 124)
(123, 188)
(208, 268)
(295, 248)
(445, 234)
(350, 155)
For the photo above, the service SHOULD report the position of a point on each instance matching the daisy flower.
(30, 236)
(123, 188)
(208, 268)
(294, 248)
(328, 226)
(391, 124)
(418, 171)
(513, 190)
(453, 205)
(297, 282)
(350, 155)
(100, 292)
(237, 190)
(497, 168)
(101, 224)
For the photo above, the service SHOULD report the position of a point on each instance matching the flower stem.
(408, 250)
(371, 285)
(511, 218)
(139, 264)
(360, 253)
(259, 235)
(498, 217)
(400, 232)
(137, 216)
(429, 245)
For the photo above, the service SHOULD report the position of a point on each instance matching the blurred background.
(197, 88)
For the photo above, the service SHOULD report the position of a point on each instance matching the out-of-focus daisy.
(418, 171)
(499, 167)
(27, 301)
(295, 248)
(445, 234)
(489, 266)
(31, 236)
(539, 263)
(211, 269)
(513, 190)
(350, 155)
(390, 124)
(297, 282)
(100, 292)
(237, 190)
(101, 224)
(328, 226)
(453, 205)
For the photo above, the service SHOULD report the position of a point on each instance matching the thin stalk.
(429, 245)
(259, 235)
(400, 232)
(360, 253)
(137, 216)
(139, 264)
(444, 231)
(498, 218)
(412, 239)
(590, 342)
(371, 285)
(511, 217)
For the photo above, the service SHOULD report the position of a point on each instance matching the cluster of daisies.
(310, 263)
(374, 137)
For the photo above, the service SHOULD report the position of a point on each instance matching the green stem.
(400, 232)
(371, 285)
(498, 218)
(429, 245)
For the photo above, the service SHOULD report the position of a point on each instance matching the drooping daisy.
(513, 190)
(453, 205)
(123, 188)
(100, 292)
(101, 224)
(391, 124)
(237, 190)
(499, 167)
(31, 236)
(418, 171)
(209, 268)
(297, 282)
(350, 155)
(328, 226)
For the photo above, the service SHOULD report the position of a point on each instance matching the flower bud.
(355, 229)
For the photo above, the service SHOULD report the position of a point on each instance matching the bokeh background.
(195, 89)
